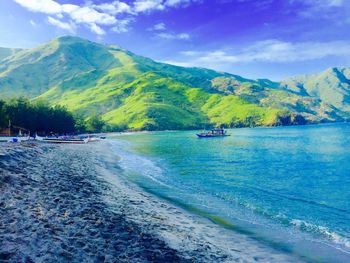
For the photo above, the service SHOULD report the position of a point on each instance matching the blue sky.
(258, 39)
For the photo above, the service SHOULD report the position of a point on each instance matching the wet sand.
(69, 203)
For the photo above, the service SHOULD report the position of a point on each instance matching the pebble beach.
(69, 203)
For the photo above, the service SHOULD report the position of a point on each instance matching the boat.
(94, 138)
(14, 138)
(220, 132)
(62, 140)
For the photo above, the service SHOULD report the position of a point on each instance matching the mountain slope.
(313, 108)
(31, 72)
(135, 92)
(331, 86)
(7, 52)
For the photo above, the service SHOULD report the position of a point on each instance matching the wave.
(136, 164)
(325, 232)
(318, 232)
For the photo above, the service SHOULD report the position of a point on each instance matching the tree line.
(40, 117)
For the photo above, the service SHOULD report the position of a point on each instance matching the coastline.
(70, 202)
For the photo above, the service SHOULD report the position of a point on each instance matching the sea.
(287, 187)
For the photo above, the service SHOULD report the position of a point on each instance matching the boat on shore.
(220, 132)
(14, 138)
(63, 139)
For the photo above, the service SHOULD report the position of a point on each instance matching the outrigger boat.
(213, 133)
(68, 140)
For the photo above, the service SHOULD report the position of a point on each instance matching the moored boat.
(213, 133)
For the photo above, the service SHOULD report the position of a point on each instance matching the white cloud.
(114, 8)
(141, 6)
(271, 51)
(66, 26)
(178, 2)
(78, 14)
(334, 10)
(88, 15)
(169, 36)
(122, 26)
(42, 6)
(96, 16)
(158, 27)
(96, 29)
(161, 31)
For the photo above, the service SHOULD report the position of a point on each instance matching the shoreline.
(63, 193)
(232, 242)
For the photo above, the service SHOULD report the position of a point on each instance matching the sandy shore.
(69, 203)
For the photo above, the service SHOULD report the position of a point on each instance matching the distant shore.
(64, 203)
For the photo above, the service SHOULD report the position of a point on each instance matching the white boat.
(14, 138)
(67, 140)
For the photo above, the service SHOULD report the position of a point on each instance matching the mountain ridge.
(135, 92)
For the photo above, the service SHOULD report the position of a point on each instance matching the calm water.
(288, 187)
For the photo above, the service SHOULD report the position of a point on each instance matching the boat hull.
(60, 141)
(211, 135)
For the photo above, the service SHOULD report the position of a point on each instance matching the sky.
(272, 39)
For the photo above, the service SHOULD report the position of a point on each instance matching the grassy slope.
(95, 91)
(157, 102)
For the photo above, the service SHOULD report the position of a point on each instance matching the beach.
(70, 203)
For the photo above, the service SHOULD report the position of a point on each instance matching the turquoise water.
(288, 187)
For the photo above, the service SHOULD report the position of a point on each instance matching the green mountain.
(135, 92)
(331, 86)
